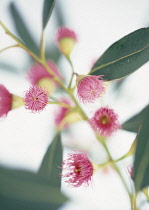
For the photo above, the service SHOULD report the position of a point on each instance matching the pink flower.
(5, 101)
(64, 32)
(66, 40)
(38, 72)
(36, 99)
(105, 121)
(79, 169)
(90, 88)
(62, 112)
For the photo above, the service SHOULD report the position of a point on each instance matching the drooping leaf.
(52, 160)
(141, 162)
(47, 10)
(25, 190)
(134, 122)
(124, 56)
(22, 29)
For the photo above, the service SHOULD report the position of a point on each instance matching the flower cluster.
(77, 169)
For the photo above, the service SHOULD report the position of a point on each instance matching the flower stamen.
(104, 120)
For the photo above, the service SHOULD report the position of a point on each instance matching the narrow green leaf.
(22, 189)
(141, 162)
(52, 160)
(22, 29)
(124, 56)
(134, 123)
(47, 10)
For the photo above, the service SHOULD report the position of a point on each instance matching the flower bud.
(17, 101)
(8, 101)
(48, 83)
(39, 76)
(66, 40)
(66, 115)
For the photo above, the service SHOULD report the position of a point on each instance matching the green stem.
(78, 106)
(16, 45)
(124, 156)
(72, 68)
(101, 139)
(60, 104)
(134, 204)
(20, 44)
(115, 161)
(130, 152)
(44, 64)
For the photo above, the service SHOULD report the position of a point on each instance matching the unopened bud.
(66, 40)
(17, 101)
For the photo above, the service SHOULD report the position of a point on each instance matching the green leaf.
(134, 123)
(26, 190)
(47, 10)
(52, 160)
(141, 162)
(124, 56)
(22, 29)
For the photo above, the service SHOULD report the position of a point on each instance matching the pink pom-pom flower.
(38, 72)
(105, 121)
(62, 112)
(90, 88)
(66, 39)
(77, 169)
(5, 101)
(36, 99)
